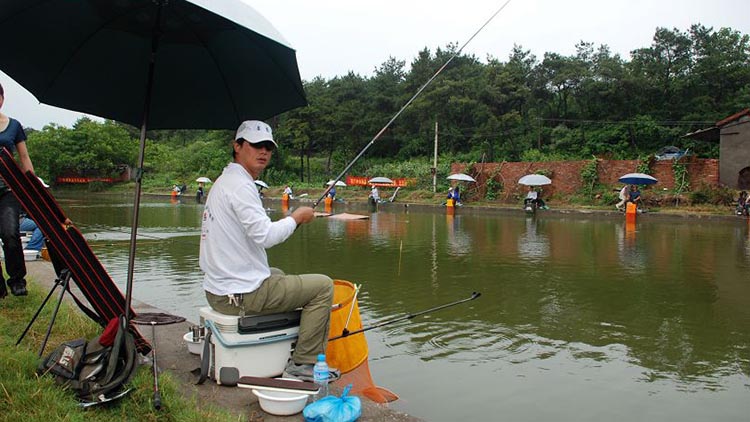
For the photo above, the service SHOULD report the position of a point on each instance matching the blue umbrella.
(637, 179)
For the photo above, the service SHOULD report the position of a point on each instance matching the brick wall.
(566, 175)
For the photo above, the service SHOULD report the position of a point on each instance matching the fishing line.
(104, 229)
(395, 116)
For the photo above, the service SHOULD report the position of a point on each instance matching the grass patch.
(24, 396)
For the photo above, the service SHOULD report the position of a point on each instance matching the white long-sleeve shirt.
(235, 233)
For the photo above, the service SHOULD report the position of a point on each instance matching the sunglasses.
(267, 145)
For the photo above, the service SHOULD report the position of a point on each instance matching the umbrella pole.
(414, 97)
(139, 168)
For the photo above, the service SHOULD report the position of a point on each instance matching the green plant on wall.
(590, 176)
(492, 188)
(681, 180)
(644, 165)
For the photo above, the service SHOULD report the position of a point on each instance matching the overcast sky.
(333, 37)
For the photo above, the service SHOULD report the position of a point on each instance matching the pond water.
(581, 318)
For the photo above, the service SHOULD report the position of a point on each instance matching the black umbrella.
(156, 64)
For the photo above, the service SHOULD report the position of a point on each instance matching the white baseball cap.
(255, 131)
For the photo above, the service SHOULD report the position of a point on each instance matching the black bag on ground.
(95, 373)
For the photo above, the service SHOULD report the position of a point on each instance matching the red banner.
(362, 181)
(60, 180)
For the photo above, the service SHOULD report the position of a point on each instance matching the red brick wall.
(566, 175)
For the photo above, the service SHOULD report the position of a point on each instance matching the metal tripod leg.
(65, 281)
(58, 281)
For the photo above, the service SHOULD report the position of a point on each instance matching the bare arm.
(23, 157)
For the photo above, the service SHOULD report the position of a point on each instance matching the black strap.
(206, 361)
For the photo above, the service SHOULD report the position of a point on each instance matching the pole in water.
(473, 296)
(414, 97)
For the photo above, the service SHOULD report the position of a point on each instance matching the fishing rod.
(347, 333)
(395, 116)
(111, 230)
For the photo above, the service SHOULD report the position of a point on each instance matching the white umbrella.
(338, 183)
(461, 177)
(534, 180)
(203, 179)
(261, 184)
(384, 180)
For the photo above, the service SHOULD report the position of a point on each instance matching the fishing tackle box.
(255, 346)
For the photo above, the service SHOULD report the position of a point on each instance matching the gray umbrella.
(156, 64)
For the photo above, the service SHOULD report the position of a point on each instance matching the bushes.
(715, 196)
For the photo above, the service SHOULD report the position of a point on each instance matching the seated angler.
(235, 233)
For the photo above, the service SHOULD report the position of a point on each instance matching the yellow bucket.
(349, 352)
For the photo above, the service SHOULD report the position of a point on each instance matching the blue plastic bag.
(334, 409)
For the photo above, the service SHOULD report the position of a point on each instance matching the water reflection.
(632, 256)
(459, 240)
(532, 245)
(654, 316)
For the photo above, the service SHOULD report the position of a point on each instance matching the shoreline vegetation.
(661, 202)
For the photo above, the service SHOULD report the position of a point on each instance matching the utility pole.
(434, 165)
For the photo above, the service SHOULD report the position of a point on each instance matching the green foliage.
(712, 195)
(590, 175)
(559, 107)
(608, 197)
(681, 180)
(88, 149)
(28, 397)
(493, 187)
(644, 165)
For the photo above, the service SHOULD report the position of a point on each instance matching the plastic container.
(30, 255)
(321, 375)
(262, 353)
(194, 347)
(282, 403)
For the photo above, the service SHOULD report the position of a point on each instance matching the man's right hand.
(303, 215)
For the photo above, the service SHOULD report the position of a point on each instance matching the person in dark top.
(634, 195)
(12, 137)
(199, 193)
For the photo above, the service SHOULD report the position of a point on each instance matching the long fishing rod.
(395, 116)
(347, 333)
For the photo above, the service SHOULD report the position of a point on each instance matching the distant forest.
(592, 103)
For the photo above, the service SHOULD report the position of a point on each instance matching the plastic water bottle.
(320, 376)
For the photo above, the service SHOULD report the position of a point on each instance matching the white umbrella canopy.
(381, 180)
(338, 183)
(261, 184)
(203, 179)
(461, 177)
(535, 180)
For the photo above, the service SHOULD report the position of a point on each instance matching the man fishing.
(235, 233)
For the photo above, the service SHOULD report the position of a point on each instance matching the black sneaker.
(18, 289)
